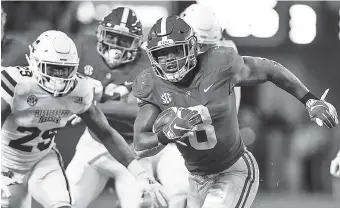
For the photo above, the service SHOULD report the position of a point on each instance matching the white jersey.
(28, 133)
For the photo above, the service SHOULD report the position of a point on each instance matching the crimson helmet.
(167, 37)
(119, 36)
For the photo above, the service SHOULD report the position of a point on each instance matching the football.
(164, 118)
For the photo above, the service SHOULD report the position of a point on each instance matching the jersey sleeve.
(227, 62)
(143, 88)
(85, 91)
(11, 78)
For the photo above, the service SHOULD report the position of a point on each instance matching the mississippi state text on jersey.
(28, 133)
(217, 144)
(117, 82)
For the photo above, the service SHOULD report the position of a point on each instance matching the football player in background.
(113, 59)
(187, 98)
(36, 101)
(12, 50)
(174, 177)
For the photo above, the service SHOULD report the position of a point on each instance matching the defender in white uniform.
(35, 102)
(170, 168)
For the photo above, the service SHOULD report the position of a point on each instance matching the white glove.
(335, 166)
(73, 120)
(150, 186)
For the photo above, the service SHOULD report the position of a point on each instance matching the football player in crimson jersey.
(36, 101)
(112, 59)
(222, 172)
(209, 33)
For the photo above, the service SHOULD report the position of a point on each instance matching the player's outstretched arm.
(95, 119)
(5, 111)
(259, 70)
(145, 141)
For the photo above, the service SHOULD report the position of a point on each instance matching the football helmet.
(205, 23)
(119, 36)
(172, 48)
(54, 62)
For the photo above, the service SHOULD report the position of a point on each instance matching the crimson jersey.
(217, 143)
(117, 83)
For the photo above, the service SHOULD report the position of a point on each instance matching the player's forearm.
(268, 70)
(119, 110)
(145, 141)
(118, 147)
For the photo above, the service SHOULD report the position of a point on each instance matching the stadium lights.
(86, 12)
(243, 18)
(302, 24)
(265, 24)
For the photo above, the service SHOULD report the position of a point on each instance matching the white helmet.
(54, 62)
(205, 23)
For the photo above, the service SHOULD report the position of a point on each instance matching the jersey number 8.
(205, 130)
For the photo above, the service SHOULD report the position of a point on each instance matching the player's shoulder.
(15, 81)
(84, 86)
(143, 84)
(81, 97)
(222, 59)
(14, 75)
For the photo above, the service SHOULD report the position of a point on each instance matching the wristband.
(136, 168)
(307, 97)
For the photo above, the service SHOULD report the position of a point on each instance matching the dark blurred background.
(293, 154)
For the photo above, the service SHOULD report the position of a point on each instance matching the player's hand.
(322, 112)
(73, 120)
(151, 188)
(335, 166)
(183, 124)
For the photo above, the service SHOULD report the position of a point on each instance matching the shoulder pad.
(224, 59)
(13, 82)
(143, 84)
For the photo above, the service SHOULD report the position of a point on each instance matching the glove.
(320, 109)
(335, 166)
(73, 120)
(180, 126)
(150, 187)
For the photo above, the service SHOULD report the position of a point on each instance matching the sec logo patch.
(32, 100)
(166, 98)
(88, 70)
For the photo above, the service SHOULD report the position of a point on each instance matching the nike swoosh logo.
(128, 83)
(206, 89)
(179, 128)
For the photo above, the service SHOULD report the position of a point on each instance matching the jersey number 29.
(205, 131)
(35, 132)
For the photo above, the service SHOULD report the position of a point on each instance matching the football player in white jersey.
(36, 101)
(169, 164)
